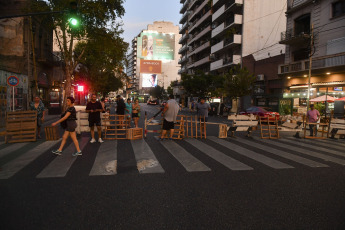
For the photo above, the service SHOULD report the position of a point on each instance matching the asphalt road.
(237, 183)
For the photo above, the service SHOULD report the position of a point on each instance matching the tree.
(157, 92)
(94, 17)
(238, 82)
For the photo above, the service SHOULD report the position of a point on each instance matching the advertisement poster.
(150, 66)
(149, 80)
(152, 45)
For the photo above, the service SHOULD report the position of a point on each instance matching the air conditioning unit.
(260, 77)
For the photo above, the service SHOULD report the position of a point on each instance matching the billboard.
(152, 45)
(149, 80)
(150, 66)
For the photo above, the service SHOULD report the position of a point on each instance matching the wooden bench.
(337, 127)
(246, 123)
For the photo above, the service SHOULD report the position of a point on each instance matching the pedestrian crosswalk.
(240, 154)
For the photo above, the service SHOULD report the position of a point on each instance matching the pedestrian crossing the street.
(240, 154)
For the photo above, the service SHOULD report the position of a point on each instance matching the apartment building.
(325, 20)
(154, 58)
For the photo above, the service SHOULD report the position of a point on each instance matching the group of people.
(128, 109)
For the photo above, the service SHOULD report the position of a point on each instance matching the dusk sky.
(140, 13)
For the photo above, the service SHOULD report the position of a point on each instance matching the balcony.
(197, 10)
(183, 38)
(224, 62)
(192, 2)
(199, 35)
(184, 17)
(329, 61)
(200, 48)
(183, 49)
(184, 7)
(183, 59)
(202, 61)
(223, 9)
(235, 39)
(235, 19)
(201, 20)
(184, 27)
(289, 37)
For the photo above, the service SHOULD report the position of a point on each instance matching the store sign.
(150, 66)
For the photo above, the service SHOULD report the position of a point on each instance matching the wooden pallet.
(52, 133)
(134, 133)
(269, 128)
(21, 126)
(223, 131)
(116, 127)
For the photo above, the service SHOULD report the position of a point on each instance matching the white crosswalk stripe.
(283, 154)
(146, 160)
(14, 166)
(251, 154)
(218, 156)
(319, 143)
(7, 150)
(317, 148)
(61, 164)
(327, 142)
(306, 151)
(106, 159)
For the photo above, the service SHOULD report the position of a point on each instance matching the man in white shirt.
(170, 113)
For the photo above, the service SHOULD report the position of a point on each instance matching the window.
(302, 25)
(338, 8)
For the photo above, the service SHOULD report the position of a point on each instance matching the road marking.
(9, 149)
(318, 143)
(335, 152)
(14, 166)
(283, 154)
(61, 164)
(106, 159)
(146, 160)
(306, 152)
(250, 154)
(334, 143)
(189, 162)
(218, 156)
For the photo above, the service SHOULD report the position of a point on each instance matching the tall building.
(217, 34)
(154, 58)
(327, 17)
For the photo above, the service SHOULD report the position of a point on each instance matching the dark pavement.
(299, 197)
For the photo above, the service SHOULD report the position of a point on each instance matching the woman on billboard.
(144, 46)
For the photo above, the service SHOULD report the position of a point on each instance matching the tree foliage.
(97, 19)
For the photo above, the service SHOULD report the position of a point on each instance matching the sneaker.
(57, 152)
(77, 154)
(92, 140)
(161, 139)
(100, 140)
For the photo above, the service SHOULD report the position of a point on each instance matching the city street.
(234, 183)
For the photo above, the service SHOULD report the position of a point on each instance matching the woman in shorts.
(70, 117)
(136, 112)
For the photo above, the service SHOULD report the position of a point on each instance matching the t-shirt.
(203, 109)
(171, 114)
(129, 108)
(120, 110)
(73, 112)
(313, 114)
(94, 116)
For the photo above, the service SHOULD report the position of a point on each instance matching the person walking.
(169, 113)
(313, 116)
(70, 117)
(136, 112)
(128, 109)
(94, 108)
(37, 105)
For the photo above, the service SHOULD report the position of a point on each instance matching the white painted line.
(335, 142)
(106, 159)
(189, 162)
(306, 151)
(14, 166)
(317, 148)
(319, 143)
(13, 147)
(61, 164)
(218, 156)
(281, 153)
(252, 155)
(146, 160)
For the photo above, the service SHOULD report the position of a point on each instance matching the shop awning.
(340, 99)
(323, 99)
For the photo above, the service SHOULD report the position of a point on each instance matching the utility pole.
(310, 62)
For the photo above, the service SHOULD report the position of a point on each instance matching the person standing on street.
(94, 108)
(203, 109)
(37, 105)
(70, 117)
(169, 113)
(313, 116)
(128, 109)
(120, 108)
(136, 112)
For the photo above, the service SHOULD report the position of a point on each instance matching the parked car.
(152, 102)
(262, 112)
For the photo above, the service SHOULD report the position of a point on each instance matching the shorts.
(135, 115)
(168, 125)
(71, 125)
(202, 119)
(92, 123)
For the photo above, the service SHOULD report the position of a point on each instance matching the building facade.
(314, 28)
(154, 58)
